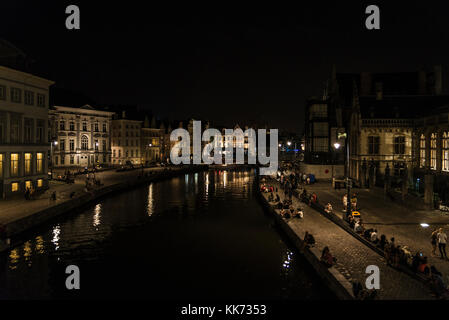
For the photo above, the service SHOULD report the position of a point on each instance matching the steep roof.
(401, 106)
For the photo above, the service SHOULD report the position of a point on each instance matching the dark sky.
(219, 60)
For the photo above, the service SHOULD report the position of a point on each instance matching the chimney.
(438, 79)
(379, 91)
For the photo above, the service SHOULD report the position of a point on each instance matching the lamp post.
(348, 180)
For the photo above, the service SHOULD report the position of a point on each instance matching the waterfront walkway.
(353, 256)
(392, 219)
(15, 209)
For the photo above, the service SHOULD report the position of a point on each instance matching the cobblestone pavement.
(11, 210)
(353, 256)
(392, 219)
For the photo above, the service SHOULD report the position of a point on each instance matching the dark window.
(373, 145)
(399, 145)
(16, 95)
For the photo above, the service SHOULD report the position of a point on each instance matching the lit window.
(14, 186)
(40, 183)
(14, 164)
(422, 151)
(1, 165)
(445, 151)
(39, 164)
(27, 184)
(27, 163)
(433, 151)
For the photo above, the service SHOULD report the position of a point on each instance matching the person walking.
(433, 241)
(442, 239)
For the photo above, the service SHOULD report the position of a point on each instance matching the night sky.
(219, 60)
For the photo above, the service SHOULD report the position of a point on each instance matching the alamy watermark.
(216, 147)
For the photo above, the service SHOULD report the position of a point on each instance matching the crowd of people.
(402, 257)
(285, 206)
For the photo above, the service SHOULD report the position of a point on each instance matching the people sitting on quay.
(298, 213)
(383, 242)
(309, 240)
(327, 258)
(328, 209)
(437, 283)
(313, 199)
(271, 197)
(373, 237)
(358, 226)
(345, 202)
(285, 213)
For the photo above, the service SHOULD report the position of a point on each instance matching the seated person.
(358, 227)
(328, 208)
(351, 223)
(298, 213)
(373, 236)
(327, 258)
(285, 214)
(271, 197)
(423, 266)
(437, 283)
(309, 239)
(367, 233)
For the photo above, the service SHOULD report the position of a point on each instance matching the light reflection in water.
(206, 185)
(40, 245)
(150, 206)
(56, 232)
(97, 215)
(14, 259)
(288, 260)
(27, 252)
(225, 178)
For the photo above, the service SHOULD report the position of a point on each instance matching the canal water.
(197, 236)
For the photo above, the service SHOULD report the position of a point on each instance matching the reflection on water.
(97, 215)
(202, 235)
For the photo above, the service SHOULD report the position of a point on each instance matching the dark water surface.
(198, 236)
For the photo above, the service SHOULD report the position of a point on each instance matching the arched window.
(433, 151)
(445, 151)
(422, 151)
(84, 143)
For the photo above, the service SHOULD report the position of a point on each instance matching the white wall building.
(80, 137)
(24, 142)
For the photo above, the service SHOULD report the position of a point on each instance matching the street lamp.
(289, 143)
